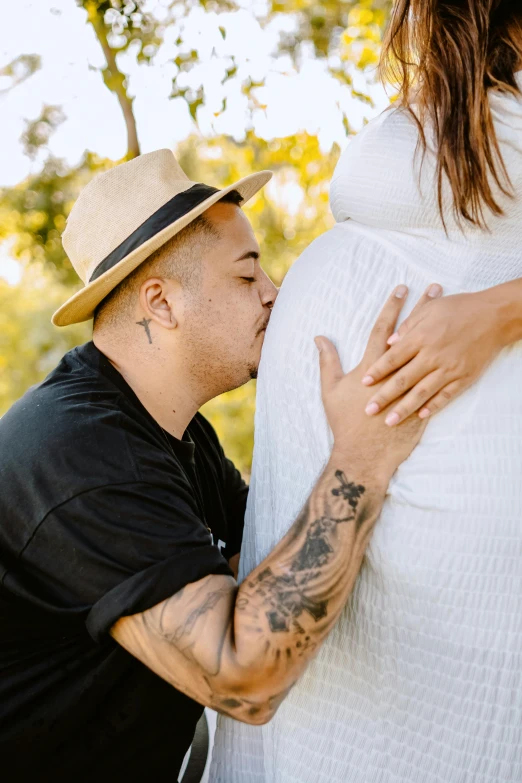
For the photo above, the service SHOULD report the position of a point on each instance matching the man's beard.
(253, 373)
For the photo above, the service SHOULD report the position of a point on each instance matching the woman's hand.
(442, 348)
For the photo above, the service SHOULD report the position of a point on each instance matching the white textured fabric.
(421, 679)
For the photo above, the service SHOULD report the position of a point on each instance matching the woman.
(421, 680)
(455, 347)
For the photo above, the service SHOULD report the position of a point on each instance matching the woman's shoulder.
(392, 130)
(394, 118)
(378, 169)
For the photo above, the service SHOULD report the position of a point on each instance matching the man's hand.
(378, 450)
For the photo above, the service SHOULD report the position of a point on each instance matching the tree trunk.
(115, 80)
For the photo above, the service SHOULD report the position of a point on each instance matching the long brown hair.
(445, 55)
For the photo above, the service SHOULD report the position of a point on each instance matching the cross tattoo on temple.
(145, 323)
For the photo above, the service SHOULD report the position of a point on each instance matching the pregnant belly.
(447, 551)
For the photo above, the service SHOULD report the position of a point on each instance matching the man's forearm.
(286, 606)
(240, 650)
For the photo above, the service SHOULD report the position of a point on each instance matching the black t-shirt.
(102, 515)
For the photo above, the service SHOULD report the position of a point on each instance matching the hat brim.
(81, 306)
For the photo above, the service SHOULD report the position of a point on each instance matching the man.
(121, 517)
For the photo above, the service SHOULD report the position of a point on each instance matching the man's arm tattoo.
(210, 601)
(290, 595)
(284, 609)
(237, 707)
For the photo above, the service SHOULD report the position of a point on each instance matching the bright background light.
(69, 77)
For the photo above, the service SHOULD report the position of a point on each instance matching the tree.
(118, 26)
(344, 35)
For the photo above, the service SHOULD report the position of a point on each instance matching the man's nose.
(269, 292)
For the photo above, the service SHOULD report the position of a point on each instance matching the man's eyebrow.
(250, 254)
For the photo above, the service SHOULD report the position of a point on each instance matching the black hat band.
(173, 210)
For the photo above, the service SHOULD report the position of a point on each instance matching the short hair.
(178, 258)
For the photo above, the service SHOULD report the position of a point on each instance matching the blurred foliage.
(38, 132)
(345, 34)
(33, 214)
(293, 209)
(18, 70)
(332, 27)
(232, 416)
(126, 24)
(29, 345)
(290, 212)
(118, 26)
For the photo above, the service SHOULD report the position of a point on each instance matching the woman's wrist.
(505, 304)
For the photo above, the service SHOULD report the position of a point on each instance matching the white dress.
(421, 679)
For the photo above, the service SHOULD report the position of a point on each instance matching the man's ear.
(160, 300)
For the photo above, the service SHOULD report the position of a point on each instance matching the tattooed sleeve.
(240, 650)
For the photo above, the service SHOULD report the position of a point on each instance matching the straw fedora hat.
(124, 215)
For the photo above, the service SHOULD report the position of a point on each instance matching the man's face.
(226, 315)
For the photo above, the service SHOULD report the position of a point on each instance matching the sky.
(57, 31)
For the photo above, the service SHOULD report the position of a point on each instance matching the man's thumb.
(329, 362)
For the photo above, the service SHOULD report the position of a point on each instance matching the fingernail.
(401, 291)
(392, 419)
(424, 413)
(372, 408)
(368, 380)
(434, 291)
(318, 344)
(393, 339)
